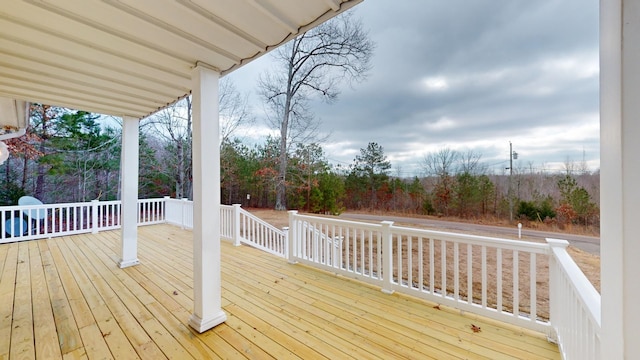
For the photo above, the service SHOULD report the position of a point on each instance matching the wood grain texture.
(66, 298)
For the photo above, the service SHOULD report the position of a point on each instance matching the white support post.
(387, 258)
(94, 216)
(129, 185)
(236, 224)
(620, 177)
(207, 287)
(290, 239)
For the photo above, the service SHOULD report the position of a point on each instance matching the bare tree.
(173, 124)
(440, 163)
(234, 110)
(470, 162)
(314, 63)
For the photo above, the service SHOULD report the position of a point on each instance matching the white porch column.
(129, 193)
(207, 285)
(620, 177)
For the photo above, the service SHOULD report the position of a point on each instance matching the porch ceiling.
(133, 57)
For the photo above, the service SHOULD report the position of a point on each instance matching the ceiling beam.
(199, 10)
(334, 4)
(275, 15)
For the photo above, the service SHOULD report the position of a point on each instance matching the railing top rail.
(176, 200)
(44, 206)
(369, 226)
(260, 221)
(150, 200)
(70, 204)
(540, 248)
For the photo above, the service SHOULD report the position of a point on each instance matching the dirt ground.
(588, 263)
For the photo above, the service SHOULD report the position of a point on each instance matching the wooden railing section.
(575, 310)
(450, 269)
(30, 222)
(533, 285)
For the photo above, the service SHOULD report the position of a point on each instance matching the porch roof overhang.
(134, 57)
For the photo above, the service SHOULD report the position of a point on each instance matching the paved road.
(589, 244)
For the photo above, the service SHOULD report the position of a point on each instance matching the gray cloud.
(471, 74)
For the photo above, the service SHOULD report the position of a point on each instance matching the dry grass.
(590, 265)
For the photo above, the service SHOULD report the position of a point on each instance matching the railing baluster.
(347, 245)
(362, 254)
(443, 269)
(456, 271)
(324, 229)
(409, 260)
(533, 297)
(378, 248)
(469, 274)
(432, 266)
(370, 241)
(340, 247)
(483, 250)
(421, 262)
(399, 262)
(516, 284)
(499, 279)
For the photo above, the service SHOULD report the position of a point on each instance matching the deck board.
(66, 298)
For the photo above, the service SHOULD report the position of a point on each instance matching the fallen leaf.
(175, 292)
(437, 307)
(475, 328)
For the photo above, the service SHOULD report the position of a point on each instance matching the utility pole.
(512, 155)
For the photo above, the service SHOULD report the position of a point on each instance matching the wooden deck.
(66, 298)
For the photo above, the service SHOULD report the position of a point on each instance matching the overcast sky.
(468, 74)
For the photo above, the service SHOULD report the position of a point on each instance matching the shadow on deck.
(66, 297)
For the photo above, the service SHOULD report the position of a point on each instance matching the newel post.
(236, 224)
(285, 232)
(94, 216)
(290, 237)
(387, 258)
(164, 208)
(183, 210)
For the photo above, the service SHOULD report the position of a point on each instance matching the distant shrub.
(536, 212)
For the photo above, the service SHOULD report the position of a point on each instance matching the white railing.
(30, 222)
(258, 233)
(575, 306)
(179, 212)
(151, 211)
(108, 214)
(227, 223)
(502, 279)
(535, 285)
(236, 224)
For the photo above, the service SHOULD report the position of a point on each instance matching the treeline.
(69, 156)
